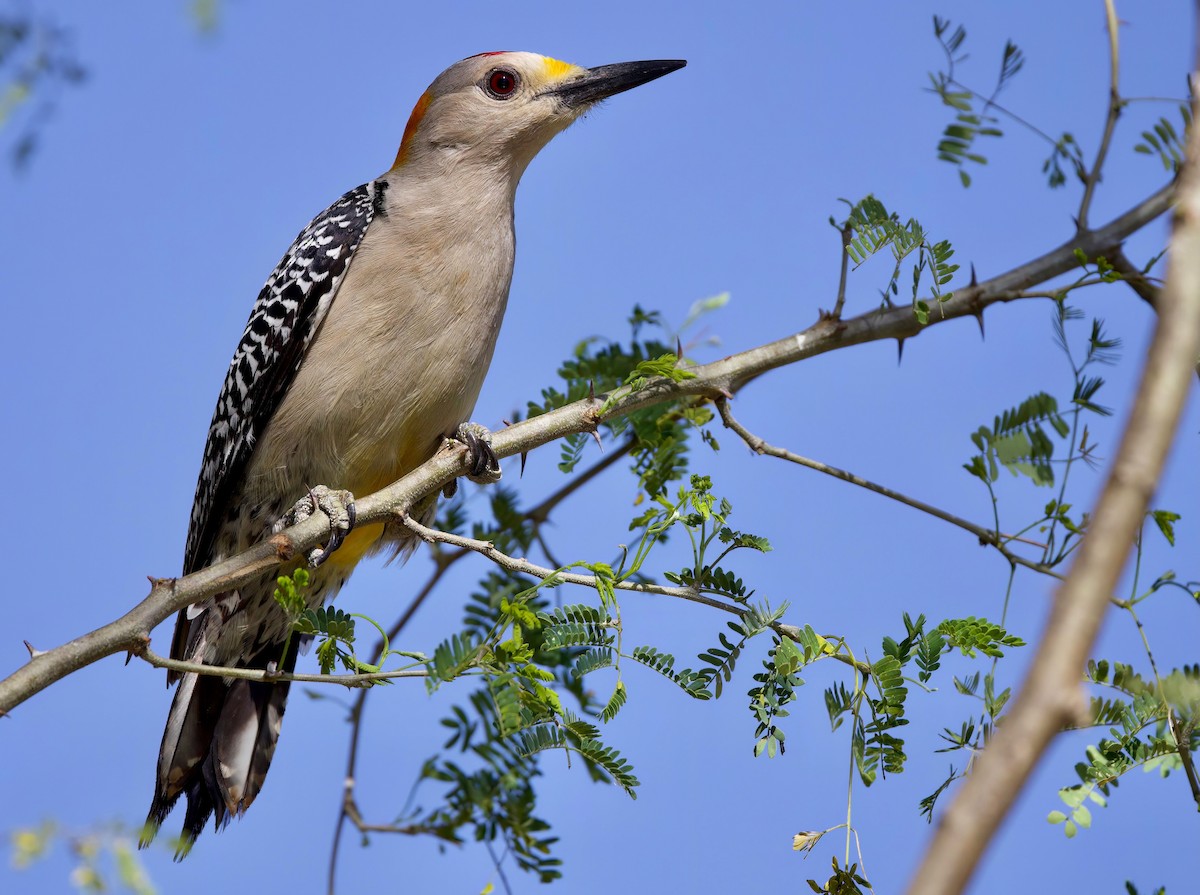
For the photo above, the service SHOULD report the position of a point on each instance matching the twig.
(1110, 122)
(847, 233)
(525, 567)
(1050, 696)
(258, 674)
(168, 596)
(987, 537)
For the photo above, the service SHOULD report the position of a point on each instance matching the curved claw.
(485, 465)
(338, 507)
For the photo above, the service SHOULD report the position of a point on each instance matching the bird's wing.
(286, 316)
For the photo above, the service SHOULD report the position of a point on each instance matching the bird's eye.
(502, 83)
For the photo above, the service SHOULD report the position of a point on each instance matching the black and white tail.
(217, 747)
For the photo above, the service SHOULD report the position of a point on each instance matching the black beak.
(608, 80)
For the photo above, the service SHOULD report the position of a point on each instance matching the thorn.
(979, 320)
(725, 393)
(974, 279)
(33, 652)
(899, 351)
(524, 456)
(591, 390)
(128, 657)
(506, 422)
(599, 443)
(678, 348)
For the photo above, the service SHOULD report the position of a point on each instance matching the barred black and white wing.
(286, 316)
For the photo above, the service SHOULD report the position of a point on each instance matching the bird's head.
(500, 109)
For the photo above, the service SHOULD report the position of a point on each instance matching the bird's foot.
(338, 507)
(484, 466)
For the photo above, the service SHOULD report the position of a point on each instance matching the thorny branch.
(723, 377)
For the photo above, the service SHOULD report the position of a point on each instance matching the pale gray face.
(502, 108)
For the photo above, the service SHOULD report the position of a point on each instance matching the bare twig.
(1110, 122)
(257, 674)
(987, 537)
(1050, 696)
(847, 234)
(725, 376)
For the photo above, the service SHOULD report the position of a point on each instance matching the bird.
(366, 348)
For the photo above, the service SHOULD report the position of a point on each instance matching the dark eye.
(502, 83)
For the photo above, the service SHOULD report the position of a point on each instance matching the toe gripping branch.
(484, 465)
(338, 507)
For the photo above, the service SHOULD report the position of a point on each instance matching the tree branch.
(1110, 122)
(987, 537)
(364, 679)
(722, 377)
(1051, 694)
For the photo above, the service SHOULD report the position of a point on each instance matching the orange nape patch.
(410, 129)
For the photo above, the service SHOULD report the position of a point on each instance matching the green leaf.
(1165, 520)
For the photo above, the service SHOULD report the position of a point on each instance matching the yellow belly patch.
(355, 547)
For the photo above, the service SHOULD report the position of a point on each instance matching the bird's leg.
(338, 506)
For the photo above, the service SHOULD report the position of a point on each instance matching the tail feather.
(244, 741)
(217, 747)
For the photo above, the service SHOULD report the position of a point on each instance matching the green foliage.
(1018, 441)
(525, 658)
(577, 625)
(615, 702)
(775, 687)
(873, 228)
(1131, 889)
(1066, 152)
(722, 659)
(971, 634)
(1151, 725)
(452, 658)
(333, 628)
(691, 682)
(972, 111)
(289, 592)
(1165, 141)
(659, 433)
(1165, 520)
(105, 858)
(843, 881)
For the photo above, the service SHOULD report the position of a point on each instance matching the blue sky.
(168, 185)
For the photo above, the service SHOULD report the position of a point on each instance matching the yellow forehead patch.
(556, 68)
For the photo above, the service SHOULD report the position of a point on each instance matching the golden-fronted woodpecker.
(366, 347)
